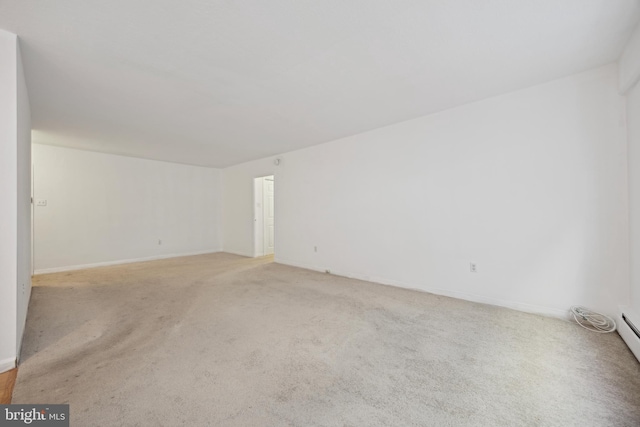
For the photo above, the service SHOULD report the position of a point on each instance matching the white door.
(269, 221)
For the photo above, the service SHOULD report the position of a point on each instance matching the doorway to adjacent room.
(264, 216)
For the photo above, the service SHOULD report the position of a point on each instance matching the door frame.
(258, 215)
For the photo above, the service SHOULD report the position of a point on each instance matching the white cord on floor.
(593, 321)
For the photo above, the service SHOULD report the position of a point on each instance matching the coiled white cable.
(592, 321)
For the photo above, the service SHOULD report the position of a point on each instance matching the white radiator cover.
(626, 332)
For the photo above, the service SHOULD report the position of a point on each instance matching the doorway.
(264, 215)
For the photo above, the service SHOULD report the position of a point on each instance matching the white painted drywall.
(258, 213)
(15, 191)
(531, 186)
(104, 209)
(633, 127)
(24, 202)
(8, 195)
(629, 62)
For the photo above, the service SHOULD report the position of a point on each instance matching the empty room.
(320, 213)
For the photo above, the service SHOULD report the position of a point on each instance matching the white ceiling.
(219, 82)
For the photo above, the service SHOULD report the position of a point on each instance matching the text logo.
(34, 415)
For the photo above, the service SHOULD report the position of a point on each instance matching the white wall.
(8, 195)
(258, 220)
(104, 209)
(633, 123)
(24, 203)
(630, 62)
(531, 186)
(15, 184)
(629, 66)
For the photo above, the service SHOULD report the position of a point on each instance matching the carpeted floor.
(230, 341)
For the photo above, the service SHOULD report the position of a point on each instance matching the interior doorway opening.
(264, 216)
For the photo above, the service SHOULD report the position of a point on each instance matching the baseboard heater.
(629, 329)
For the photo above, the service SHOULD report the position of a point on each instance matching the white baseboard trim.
(519, 306)
(7, 364)
(628, 336)
(118, 262)
(241, 253)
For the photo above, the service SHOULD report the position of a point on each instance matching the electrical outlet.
(473, 267)
(41, 202)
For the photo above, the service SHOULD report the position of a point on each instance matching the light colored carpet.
(230, 341)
